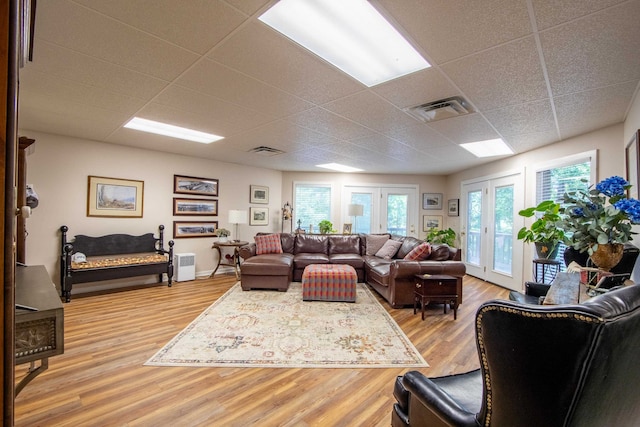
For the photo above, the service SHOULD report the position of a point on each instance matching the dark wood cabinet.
(437, 288)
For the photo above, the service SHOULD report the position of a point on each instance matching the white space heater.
(184, 267)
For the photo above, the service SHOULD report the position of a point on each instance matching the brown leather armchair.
(564, 365)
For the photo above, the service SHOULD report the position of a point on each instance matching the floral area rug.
(279, 330)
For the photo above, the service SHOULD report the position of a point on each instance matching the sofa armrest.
(406, 268)
(247, 251)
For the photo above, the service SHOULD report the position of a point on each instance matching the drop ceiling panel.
(550, 13)
(452, 29)
(469, 128)
(598, 50)
(208, 21)
(533, 117)
(234, 87)
(248, 6)
(327, 123)
(420, 137)
(525, 142)
(417, 88)
(493, 79)
(260, 52)
(83, 30)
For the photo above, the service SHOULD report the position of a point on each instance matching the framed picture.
(431, 201)
(632, 154)
(454, 205)
(115, 197)
(259, 194)
(258, 216)
(431, 221)
(194, 206)
(346, 229)
(193, 185)
(183, 229)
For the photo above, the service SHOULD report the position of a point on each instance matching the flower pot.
(223, 239)
(607, 256)
(546, 251)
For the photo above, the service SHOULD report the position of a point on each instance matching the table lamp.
(237, 217)
(355, 211)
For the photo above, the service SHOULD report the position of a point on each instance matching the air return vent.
(441, 109)
(266, 151)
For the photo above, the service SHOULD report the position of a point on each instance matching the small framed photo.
(258, 216)
(259, 194)
(194, 185)
(431, 201)
(347, 229)
(454, 206)
(431, 221)
(114, 197)
(183, 229)
(194, 206)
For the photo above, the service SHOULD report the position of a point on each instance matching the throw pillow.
(419, 253)
(375, 242)
(389, 249)
(268, 244)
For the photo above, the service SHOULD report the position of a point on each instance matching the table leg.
(219, 261)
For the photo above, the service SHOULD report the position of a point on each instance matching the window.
(311, 204)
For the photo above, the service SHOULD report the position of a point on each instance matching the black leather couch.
(564, 365)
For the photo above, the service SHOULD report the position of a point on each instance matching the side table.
(544, 266)
(234, 260)
(436, 288)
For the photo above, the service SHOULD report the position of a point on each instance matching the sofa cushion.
(268, 244)
(389, 249)
(439, 253)
(288, 241)
(374, 242)
(420, 252)
(344, 245)
(408, 243)
(309, 243)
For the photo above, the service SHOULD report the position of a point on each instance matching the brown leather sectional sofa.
(391, 278)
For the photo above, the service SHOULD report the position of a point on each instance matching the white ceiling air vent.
(266, 151)
(441, 109)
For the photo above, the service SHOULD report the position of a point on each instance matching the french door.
(385, 209)
(488, 229)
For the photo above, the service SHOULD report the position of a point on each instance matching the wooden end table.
(438, 288)
(235, 258)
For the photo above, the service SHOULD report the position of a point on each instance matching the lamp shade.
(355, 210)
(237, 217)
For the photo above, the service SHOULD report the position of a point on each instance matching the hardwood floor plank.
(101, 379)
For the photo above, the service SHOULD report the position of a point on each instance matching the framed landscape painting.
(432, 201)
(183, 229)
(114, 197)
(194, 206)
(194, 185)
(431, 221)
(454, 206)
(259, 194)
(259, 216)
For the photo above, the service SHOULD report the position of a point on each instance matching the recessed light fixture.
(488, 148)
(352, 35)
(159, 128)
(338, 167)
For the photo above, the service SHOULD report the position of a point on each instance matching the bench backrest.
(114, 244)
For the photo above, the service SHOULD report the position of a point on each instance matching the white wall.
(59, 168)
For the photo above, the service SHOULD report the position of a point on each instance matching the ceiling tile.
(553, 12)
(417, 88)
(83, 30)
(248, 6)
(525, 142)
(327, 123)
(492, 79)
(599, 50)
(469, 128)
(532, 117)
(420, 137)
(452, 29)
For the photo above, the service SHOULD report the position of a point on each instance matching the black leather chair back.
(568, 365)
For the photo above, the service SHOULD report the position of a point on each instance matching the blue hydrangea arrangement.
(600, 215)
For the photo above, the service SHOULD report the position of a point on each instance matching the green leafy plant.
(326, 227)
(546, 232)
(222, 232)
(437, 236)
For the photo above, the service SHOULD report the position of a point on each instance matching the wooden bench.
(113, 256)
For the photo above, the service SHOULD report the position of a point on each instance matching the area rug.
(279, 330)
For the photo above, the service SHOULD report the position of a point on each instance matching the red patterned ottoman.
(329, 282)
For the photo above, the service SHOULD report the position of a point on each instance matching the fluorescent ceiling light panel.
(338, 167)
(159, 128)
(350, 34)
(488, 148)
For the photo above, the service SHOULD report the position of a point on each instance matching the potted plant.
(223, 234)
(326, 227)
(437, 236)
(546, 231)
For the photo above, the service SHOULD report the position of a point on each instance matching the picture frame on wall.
(187, 229)
(258, 216)
(195, 207)
(431, 201)
(453, 207)
(259, 194)
(347, 229)
(431, 221)
(193, 185)
(115, 197)
(632, 158)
